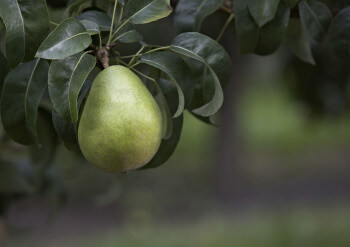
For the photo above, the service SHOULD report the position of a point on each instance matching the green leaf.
(27, 24)
(42, 156)
(189, 15)
(263, 11)
(291, 3)
(72, 6)
(167, 146)
(271, 35)
(177, 71)
(263, 40)
(21, 96)
(67, 130)
(4, 70)
(207, 51)
(145, 11)
(129, 37)
(91, 27)
(247, 29)
(339, 35)
(68, 38)
(66, 77)
(298, 41)
(100, 18)
(156, 91)
(316, 17)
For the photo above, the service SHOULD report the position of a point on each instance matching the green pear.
(120, 127)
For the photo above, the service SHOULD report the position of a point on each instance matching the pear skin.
(120, 127)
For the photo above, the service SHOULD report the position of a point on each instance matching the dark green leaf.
(145, 11)
(316, 17)
(298, 41)
(100, 18)
(156, 91)
(247, 29)
(43, 155)
(191, 14)
(291, 3)
(66, 131)
(207, 51)
(66, 77)
(129, 37)
(168, 146)
(72, 6)
(271, 35)
(68, 38)
(263, 11)
(4, 69)
(27, 24)
(21, 96)
(177, 71)
(339, 35)
(91, 27)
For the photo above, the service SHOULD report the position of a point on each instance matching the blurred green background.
(271, 175)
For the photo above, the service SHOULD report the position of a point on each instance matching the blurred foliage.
(289, 227)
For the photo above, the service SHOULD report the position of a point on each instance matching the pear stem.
(103, 56)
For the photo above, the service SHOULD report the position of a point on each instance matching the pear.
(120, 127)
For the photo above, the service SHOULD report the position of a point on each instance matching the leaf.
(68, 38)
(247, 29)
(129, 37)
(21, 96)
(42, 156)
(207, 51)
(339, 35)
(177, 71)
(298, 41)
(167, 146)
(66, 77)
(145, 11)
(263, 11)
(189, 15)
(67, 130)
(4, 70)
(316, 18)
(91, 27)
(157, 93)
(291, 3)
(27, 24)
(72, 6)
(100, 18)
(271, 35)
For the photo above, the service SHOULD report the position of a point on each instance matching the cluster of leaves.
(316, 31)
(51, 66)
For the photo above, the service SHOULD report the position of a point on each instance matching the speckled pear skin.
(120, 127)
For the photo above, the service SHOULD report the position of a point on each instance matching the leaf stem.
(99, 36)
(130, 67)
(121, 14)
(112, 24)
(226, 9)
(120, 27)
(138, 53)
(142, 74)
(223, 30)
(54, 23)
